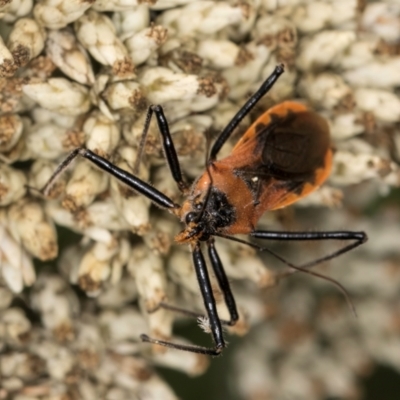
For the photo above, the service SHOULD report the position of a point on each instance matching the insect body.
(281, 158)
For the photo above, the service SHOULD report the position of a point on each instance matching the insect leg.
(167, 142)
(248, 106)
(358, 237)
(211, 309)
(223, 282)
(123, 176)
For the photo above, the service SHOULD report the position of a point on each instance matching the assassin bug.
(282, 157)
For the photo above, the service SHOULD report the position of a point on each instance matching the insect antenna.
(142, 143)
(208, 146)
(303, 268)
(323, 259)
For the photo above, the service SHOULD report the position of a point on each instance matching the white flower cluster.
(79, 73)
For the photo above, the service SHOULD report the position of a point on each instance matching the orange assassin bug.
(282, 157)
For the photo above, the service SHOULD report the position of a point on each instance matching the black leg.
(223, 285)
(168, 144)
(254, 99)
(123, 176)
(223, 282)
(211, 310)
(208, 296)
(358, 237)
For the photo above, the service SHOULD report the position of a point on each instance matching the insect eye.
(191, 217)
(199, 206)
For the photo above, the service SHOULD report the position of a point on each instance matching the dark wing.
(291, 155)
